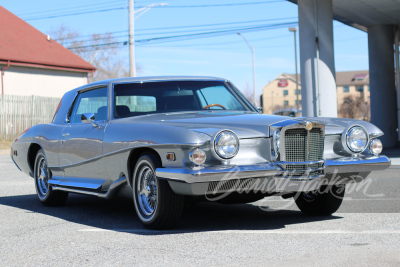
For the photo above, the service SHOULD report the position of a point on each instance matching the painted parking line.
(287, 231)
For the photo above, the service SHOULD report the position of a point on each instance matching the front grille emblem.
(308, 125)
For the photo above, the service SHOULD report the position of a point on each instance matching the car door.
(81, 143)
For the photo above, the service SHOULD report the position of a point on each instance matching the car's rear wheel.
(323, 201)
(42, 175)
(156, 205)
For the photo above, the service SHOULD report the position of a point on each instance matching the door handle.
(65, 135)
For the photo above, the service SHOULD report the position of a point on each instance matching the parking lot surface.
(93, 231)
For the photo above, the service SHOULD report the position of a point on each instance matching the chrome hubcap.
(147, 191)
(42, 177)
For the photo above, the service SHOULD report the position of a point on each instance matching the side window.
(93, 101)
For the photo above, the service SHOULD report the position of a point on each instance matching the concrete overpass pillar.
(318, 81)
(382, 82)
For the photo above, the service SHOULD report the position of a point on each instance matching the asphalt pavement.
(91, 231)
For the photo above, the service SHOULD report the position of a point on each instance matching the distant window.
(297, 91)
(346, 89)
(286, 103)
(285, 92)
(295, 102)
(360, 88)
(360, 77)
(369, 88)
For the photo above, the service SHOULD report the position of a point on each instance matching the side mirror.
(260, 109)
(88, 118)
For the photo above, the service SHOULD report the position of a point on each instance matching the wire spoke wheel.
(156, 205)
(44, 191)
(147, 191)
(42, 174)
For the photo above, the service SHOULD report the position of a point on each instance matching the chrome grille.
(302, 145)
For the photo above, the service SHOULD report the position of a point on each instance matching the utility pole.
(294, 30)
(254, 68)
(132, 63)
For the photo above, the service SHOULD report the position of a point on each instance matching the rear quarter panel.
(46, 136)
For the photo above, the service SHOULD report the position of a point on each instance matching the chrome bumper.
(210, 174)
(191, 181)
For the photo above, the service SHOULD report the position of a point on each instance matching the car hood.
(244, 124)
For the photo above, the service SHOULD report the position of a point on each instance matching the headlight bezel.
(346, 136)
(214, 141)
(276, 136)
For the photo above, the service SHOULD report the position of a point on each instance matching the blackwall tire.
(156, 205)
(42, 174)
(324, 201)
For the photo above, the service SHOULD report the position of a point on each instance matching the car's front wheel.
(156, 205)
(323, 201)
(42, 175)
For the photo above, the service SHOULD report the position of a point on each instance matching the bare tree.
(100, 50)
(355, 108)
(248, 93)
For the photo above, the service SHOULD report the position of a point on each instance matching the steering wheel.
(214, 105)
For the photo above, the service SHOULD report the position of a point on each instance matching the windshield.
(135, 99)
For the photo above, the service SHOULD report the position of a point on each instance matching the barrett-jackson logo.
(283, 83)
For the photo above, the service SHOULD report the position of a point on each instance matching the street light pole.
(294, 30)
(254, 68)
(132, 61)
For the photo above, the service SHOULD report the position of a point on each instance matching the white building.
(33, 64)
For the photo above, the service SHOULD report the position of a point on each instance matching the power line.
(81, 12)
(195, 36)
(89, 35)
(225, 5)
(214, 24)
(106, 4)
(215, 33)
(78, 13)
(179, 27)
(227, 43)
(98, 45)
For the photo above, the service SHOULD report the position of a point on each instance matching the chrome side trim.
(111, 192)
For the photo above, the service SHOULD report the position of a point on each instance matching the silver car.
(169, 141)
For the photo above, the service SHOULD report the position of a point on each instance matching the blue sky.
(225, 56)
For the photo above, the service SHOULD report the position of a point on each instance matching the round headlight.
(375, 146)
(357, 139)
(226, 144)
(197, 156)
